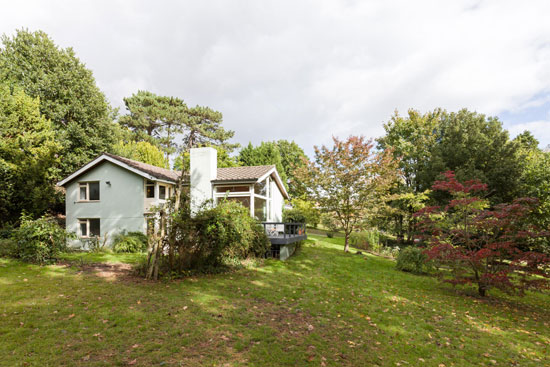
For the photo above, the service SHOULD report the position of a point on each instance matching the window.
(89, 191)
(89, 227)
(162, 192)
(260, 188)
(224, 189)
(260, 209)
(150, 189)
(243, 200)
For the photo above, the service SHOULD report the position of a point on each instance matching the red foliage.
(486, 247)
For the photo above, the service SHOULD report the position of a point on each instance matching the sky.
(308, 70)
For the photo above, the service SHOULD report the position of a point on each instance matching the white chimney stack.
(204, 168)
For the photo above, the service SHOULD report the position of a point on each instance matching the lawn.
(320, 308)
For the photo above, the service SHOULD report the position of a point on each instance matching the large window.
(89, 227)
(256, 197)
(88, 191)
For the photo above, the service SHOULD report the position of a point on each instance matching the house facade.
(112, 194)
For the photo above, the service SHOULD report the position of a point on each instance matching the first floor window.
(89, 227)
(162, 192)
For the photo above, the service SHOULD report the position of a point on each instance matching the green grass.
(95, 257)
(321, 307)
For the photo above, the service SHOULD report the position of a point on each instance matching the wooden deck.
(280, 233)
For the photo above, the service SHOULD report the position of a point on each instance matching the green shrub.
(330, 234)
(329, 221)
(39, 240)
(413, 260)
(7, 247)
(227, 231)
(365, 240)
(307, 208)
(131, 242)
(294, 216)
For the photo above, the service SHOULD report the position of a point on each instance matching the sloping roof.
(250, 173)
(147, 171)
(157, 172)
(243, 173)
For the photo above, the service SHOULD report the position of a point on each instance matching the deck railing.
(284, 230)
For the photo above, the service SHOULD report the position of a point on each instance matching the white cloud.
(305, 70)
(540, 129)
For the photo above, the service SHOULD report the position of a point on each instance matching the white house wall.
(277, 202)
(121, 204)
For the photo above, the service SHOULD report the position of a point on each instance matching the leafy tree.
(477, 147)
(68, 93)
(161, 120)
(485, 247)
(348, 180)
(266, 153)
(141, 151)
(411, 140)
(292, 158)
(28, 156)
(468, 143)
(535, 182)
(527, 141)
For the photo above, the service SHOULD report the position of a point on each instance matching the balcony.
(280, 233)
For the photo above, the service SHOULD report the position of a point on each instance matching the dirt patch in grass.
(107, 271)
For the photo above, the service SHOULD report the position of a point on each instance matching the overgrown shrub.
(39, 240)
(365, 240)
(294, 216)
(224, 232)
(131, 242)
(210, 241)
(413, 260)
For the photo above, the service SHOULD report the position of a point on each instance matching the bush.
(227, 232)
(40, 240)
(329, 222)
(365, 240)
(310, 212)
(7, 247)
(131, 242)
(413, 260)
(330, 234)
(294, 216)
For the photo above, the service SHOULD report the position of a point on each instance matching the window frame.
(250, 194)
(87, 222)
(165, 192)
(86, 185)
(149, 183)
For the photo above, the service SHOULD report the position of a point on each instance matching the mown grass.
(101, 257)
(320, 308)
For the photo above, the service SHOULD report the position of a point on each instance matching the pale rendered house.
(113, 194)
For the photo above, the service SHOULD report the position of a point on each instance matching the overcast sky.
(306, 70)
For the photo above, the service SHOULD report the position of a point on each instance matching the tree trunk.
(346, 246)
(481, 289)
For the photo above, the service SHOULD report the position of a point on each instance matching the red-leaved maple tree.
(476, 244)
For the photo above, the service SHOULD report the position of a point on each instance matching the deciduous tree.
(141, 151)
(487, 247)
(68, 94)
(349, 179)
(28, 156)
